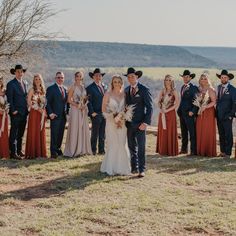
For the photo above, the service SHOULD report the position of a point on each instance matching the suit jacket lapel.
(19, 86)
(97, 89)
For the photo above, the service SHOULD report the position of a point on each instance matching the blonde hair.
(2, 87)
(116, 77)
(41, 85)
(206, 75)
(79, 72)
(172, 82)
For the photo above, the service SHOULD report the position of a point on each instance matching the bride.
(117, 157)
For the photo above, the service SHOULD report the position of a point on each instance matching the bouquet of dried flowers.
(4, 108)
(201, 101)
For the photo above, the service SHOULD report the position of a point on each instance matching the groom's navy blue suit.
(142, 114)
(58, 105)
(188, 123)
(98, 122)
(17, 98)
(225, 112)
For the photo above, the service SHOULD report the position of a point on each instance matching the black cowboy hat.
(131, 70)
(17, 67)
(225, 72)
(187, 72)
(97, 70)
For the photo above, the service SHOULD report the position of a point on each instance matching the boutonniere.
(187, 87)
(104, 86)
(226, 91)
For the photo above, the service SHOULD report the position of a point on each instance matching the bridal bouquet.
(82, 101)
(165, 103)
(4, 108)
(119, 115)
(201, 101)
(125, 115)
(4, 105)
(39, 102)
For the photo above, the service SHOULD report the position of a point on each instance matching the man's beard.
(224, 82)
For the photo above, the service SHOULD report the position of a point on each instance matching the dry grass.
(178, 196)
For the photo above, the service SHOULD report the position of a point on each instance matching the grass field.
(178, 196)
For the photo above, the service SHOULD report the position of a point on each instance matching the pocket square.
(137, 95)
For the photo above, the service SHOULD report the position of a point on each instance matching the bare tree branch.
(20, 22)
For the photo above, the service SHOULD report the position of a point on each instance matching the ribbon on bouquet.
(42, 121)
(163, 119)
(3, 123)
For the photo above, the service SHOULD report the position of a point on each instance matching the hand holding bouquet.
(201, 101)
(82, 102)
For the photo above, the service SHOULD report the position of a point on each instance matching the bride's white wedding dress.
(117, 157)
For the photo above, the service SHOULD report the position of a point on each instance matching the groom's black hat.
(131, 70)
(187, 72)
(225, 72)
(17, 67)
(97, 70)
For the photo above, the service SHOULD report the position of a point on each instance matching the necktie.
(183, 89)
(101, 89)
(221, 91)
(133, 91)
(22, 86)
(62, 92)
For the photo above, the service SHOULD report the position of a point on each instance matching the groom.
(140, 96)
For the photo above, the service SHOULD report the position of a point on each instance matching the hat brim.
(13, 71)
(191, 75)
(231, 76)
(91, 74)
(139, 73)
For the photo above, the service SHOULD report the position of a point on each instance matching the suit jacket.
(55, 102)
(226, 104)
(95, 98)
(143, 105)
(16, 97)
(186, 103)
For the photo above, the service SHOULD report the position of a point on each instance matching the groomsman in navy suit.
(187, 113)
(225, 112)
(96, 91)
(138, 95)
(57, 109)
(17, 98)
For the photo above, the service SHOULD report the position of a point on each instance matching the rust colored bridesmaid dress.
(167, 139)
(4, 143)
(206, 133)
(36, 138)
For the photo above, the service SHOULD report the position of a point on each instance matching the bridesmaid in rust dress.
(36, 134)
(4, 143)
(167, 137)
(206, 122)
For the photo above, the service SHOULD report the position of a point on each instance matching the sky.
(158, 22)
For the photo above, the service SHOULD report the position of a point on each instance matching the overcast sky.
(162, 22)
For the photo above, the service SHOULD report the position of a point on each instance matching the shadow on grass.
(14, 164)
(89, 175)
(196, 164)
